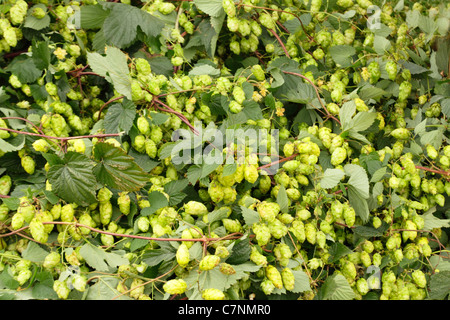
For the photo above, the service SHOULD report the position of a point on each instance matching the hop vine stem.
(231, 236)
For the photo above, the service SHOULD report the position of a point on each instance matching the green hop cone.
(28, 164)
(215, 191)
(107, 239)
(349, 216)
(143, 66)
(105, 209)
(23, 276)
(175, 286)
(182, 255)
(274, 275)
(391, 69)
(227, 269)
(143, 125)
(232, 225)
(419, 278)
(404, 90)
(277, 229)
(124, 203)
(79, 282)
(37, 231)
(362, 286)
(257, 257)
(150, 148)
(209, 262)
(3, 133)
(156, 134)
(348, 270)
(374, 71)
(431, 151)
(41, 145)
(338, 156)
(213, 294)
(195, 208)
(298, 229)
(310, 233)
(268, 210)
(283, 253)
(267, 21)
(10, 36)
(51, 260)
(17, 221)
(67, 213)
(104, 195)
(61, 288)
(229, 7)
(222, 251)
(267, 286)
(5, 185)
(400, 133)
(251, 173)
(258, 72)
(288, 279)
(143, 223)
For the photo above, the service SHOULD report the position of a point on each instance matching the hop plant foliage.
(332, 180)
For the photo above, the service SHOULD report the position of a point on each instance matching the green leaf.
(346, 113)
(209, 34)
(381, 44)
(117, 169)
(342, 55)
(252, 110)
(197, 281)
(73, 180)
(157, 201)
(101, 260)
(204, 69)
(35, 23)
(120, 27)
(114, 67)
(378, 174)
(370, 92)
(369, 232)
(217, 215)
(432, 221)
(12, 144)
(359, 203)
(303, 93)
(363, 120)
(212, 8)
(7, 280)
(156, 256)
(301, 281)
(241, 252)
(120, 117)
(336, 287)
(358, 179)
(41, 55)
(440, 285)
(158, 118)
(92, 16)
(24, 68)
(282, 199)
(34, 252)
(250, 216)
(338, 250)
(331, 178)
(105, 289)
